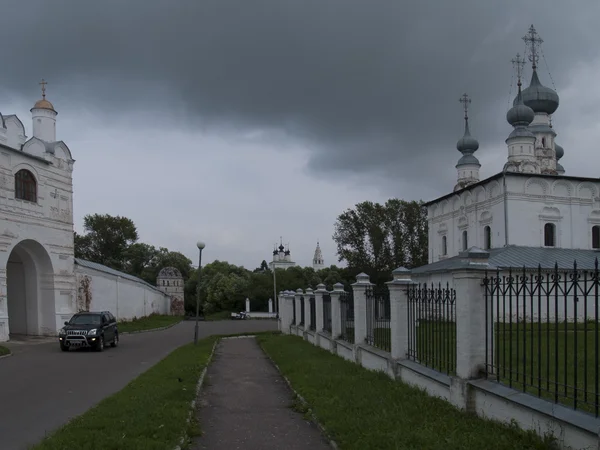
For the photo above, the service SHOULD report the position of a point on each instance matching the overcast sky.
(236, 121)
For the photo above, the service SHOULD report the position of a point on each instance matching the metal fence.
(347, 316)
(301, 310)
(432, 326)
(327, 312)
(313, 313)
(379, 330)
(544, 334)
(294, 308)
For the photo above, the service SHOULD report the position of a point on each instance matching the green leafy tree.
(376, 239)
(106, 239)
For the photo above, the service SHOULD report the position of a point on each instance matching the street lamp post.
(201, 246)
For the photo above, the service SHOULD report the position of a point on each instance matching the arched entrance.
(30, 290)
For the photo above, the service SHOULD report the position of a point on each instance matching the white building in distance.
(282, 258)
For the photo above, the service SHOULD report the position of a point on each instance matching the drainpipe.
(505, 208)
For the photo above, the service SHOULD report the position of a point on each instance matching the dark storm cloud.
(366, 85)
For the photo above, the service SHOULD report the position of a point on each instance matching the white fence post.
(285, 312)
(470, 314)
(319, 306)
(398, 288)
(336, 310)
(299, 293)
(360, 307)
(308, 292)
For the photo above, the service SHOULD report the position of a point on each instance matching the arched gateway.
(30, 290)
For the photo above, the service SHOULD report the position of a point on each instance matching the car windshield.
(85, 319)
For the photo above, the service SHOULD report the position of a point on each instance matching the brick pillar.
(336, 310)
(307, 295)
(319, 306)
(399, 311)
(360, 307)
(471, 314)
(299, 293)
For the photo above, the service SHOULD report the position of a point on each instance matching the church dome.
(169, 272)
(538, 97)
(43, 104)
(467, 143)
(520, 114)
(468, 160)
(560, 152)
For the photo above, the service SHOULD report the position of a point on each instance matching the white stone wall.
(125, 298)
(572, 204)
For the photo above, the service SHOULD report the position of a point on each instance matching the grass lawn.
(4, 351)
(363, 409)
(149, 413)
(148, 323)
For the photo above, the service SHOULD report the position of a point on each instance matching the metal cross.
(518, 63)
(533, 41)
(43, 83)
(465, 100)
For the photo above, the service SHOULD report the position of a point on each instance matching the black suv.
(89, 329)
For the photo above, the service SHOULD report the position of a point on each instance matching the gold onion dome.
(43, 104)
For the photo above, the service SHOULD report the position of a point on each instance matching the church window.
(465, 242)
(444, 246)
(544, 142)
(596, 236)
(25, 186)
(549, 235)
(487, 238)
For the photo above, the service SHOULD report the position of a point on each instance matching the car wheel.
(64, 348)
(100, 344)
(115, 341)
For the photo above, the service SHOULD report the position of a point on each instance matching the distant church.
(282, 258)
(530, 213)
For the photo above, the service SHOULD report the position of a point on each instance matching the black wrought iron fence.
(327, 312)
(294, 308)
(313, 313)
(542, 333)
(301, 310)
(347, 316)
(432, 326)
(379, 330)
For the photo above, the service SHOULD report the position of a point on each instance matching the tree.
(106, 239)
(376, 239)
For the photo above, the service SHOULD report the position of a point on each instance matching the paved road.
(246, 404)
(41, 388)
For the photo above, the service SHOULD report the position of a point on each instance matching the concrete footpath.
(245, 404)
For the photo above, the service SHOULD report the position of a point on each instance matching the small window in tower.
(596, 236)
(25, 186)
(487, 237)
(549, 235)
(544, 142)
(465, 242)
(444, 246)
(521, 149)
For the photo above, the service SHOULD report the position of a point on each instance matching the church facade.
(41, 283)
(531, 203)
(37, 280)
(282, 258)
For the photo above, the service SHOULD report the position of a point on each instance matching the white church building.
(532, 212)
(41, 283)
(282, 258)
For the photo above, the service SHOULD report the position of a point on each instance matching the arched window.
(549, 235)
(25, 186)
(464, 240)
(596, 236)
(444, 246)
(487, 237)
(544, 142)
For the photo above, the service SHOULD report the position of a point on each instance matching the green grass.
(4, 351)
(149, 413)
(148, 323)
(367, 410)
